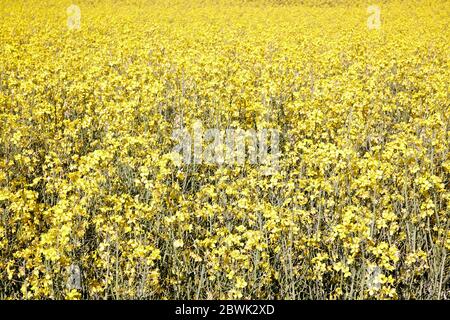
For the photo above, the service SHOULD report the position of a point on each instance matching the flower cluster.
(94, 205)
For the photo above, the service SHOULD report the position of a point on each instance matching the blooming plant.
(96, 204)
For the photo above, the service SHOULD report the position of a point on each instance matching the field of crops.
(96, 204)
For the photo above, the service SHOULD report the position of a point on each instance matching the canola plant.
(94, 205)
